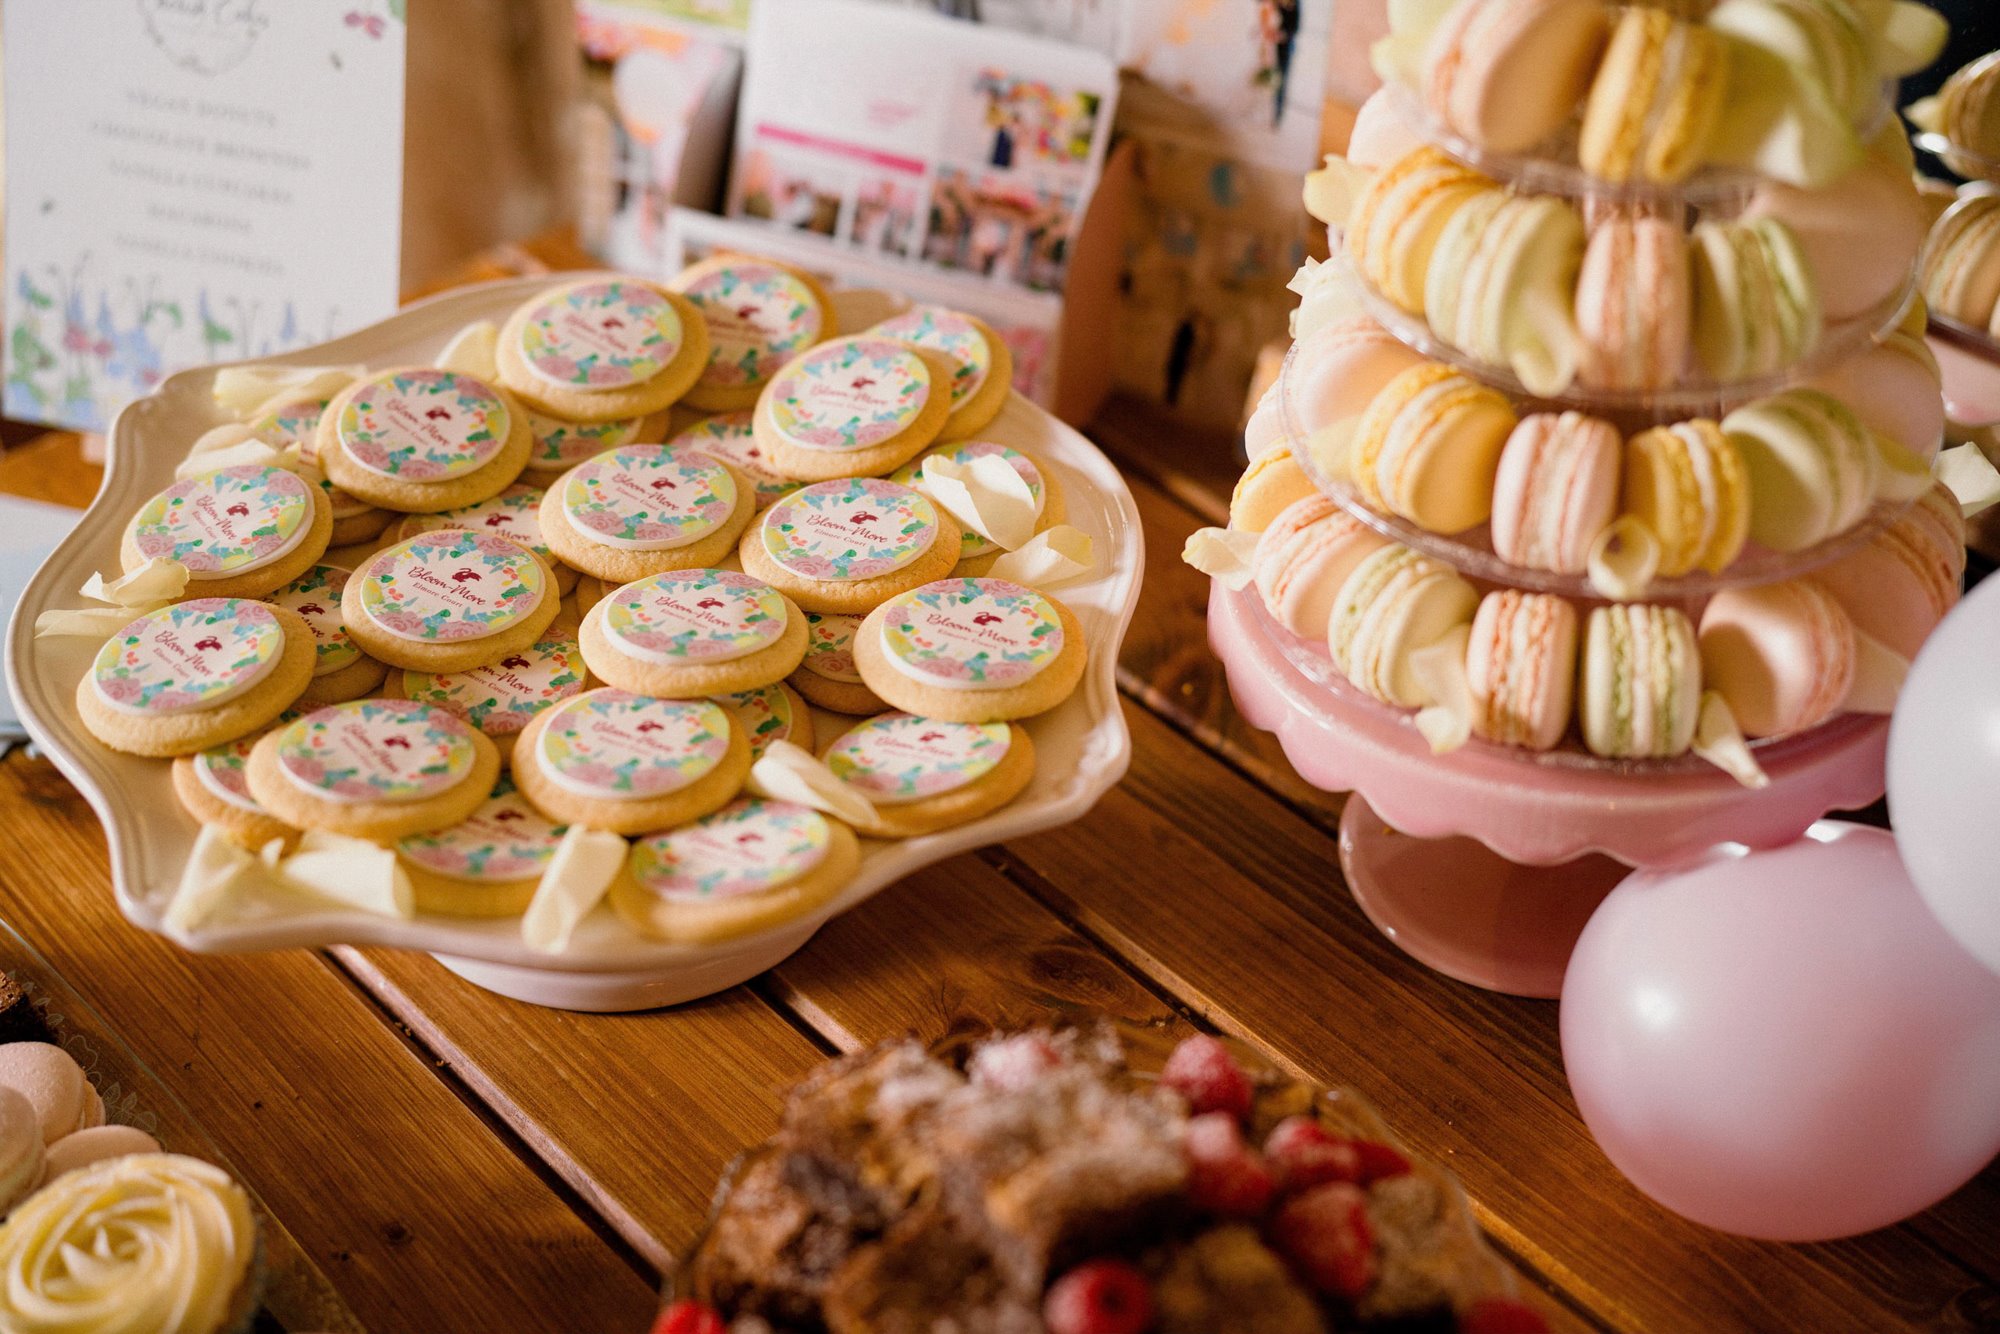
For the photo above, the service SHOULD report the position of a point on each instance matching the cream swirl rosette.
(145, 1244)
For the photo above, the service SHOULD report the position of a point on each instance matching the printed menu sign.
(192, 181)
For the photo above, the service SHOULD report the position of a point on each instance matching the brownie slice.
(1227, 1281)
(18, 1020)
(927, 1275)
(771, 1250)
(1420, 1249)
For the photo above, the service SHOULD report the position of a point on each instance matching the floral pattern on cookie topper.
(729, 436)
(759, 317)
(500, 698)
(515, 514)
(451, 585)
(561, 444)
(611, 744)
(648, 497)
(980, 634)
(830, 646)
(226, 522)
(505, 840)
(852, 528)
(694, 616)
(851, 393)
(192, 655)
(899, 758)
(291, 423)
(951, 333)
(223, 773)
(603, 334)
(972, 542)
(376, 750)
(765, 714)
(750, 846)
(315, 596)
(423, 425)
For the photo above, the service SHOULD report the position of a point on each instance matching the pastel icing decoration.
(748, 847)
(315, 596)
(291, 424)
(221, 772)
(601, 335)
(192, 655)
(980, 634)
(505, 840)
(853, 528)
(972, 541)
(226, 522)
(648, 497)
(730, 437)
(423, 425)
(951, 333)
(766, 715)
(612, 744)
(694, 616)
(500, 697)
(759, 317)
(376, 750)
(562, 444)
(899, 758)
(451, 585)
(852, 393)
(513, 514)
(830, 646)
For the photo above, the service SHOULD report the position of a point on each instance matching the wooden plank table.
(456, 1161)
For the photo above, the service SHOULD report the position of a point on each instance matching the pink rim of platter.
(1535, 810)
(1970, 361)
(1083, 745)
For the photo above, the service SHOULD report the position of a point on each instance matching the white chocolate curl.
(352, 871)
(986, 495)
(789, 772)
(210, 882)
(228, 446)
(473, 351)
(1968, 475)
(1446, 722)
(1055, 557)
(1719, 740)
(146, 589)
(1223, 554)
(1624, 559)
(247, 392)
(577, 878)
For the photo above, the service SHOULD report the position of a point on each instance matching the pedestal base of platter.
(645, 989)
(1455, 905)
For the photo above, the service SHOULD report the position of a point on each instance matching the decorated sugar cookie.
(752, 865)
(646, 509)
(729, 437)
(846, 545)
(241, 531)
(760, 315)
(601, 349)
(561, 445)
(449, 600)
(422, 440)
(514, 514)
(771, 714)
(977, 552)
(687, 633)
(853, 407)
(982, 367)
(296, 422)
(489, 864)
(828, 676)
(341, 671)
(972, 650)
(214, 786)
(626, 763)
(924, 775)
(372, 768)
(501, 697)
(194, 675)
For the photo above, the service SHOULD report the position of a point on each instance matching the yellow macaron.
(1687, 484)
(1656, 101)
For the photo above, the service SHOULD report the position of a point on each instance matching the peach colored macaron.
(1900, 585)
(1556, 489)
(1521, 667)
(1507, 74)
(1337, 371)
(1304, 557)
(1782, 655)
(1634, 304)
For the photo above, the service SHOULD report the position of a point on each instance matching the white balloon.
(1944, 773)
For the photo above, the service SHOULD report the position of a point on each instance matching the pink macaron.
(1556, 489)
(1895, 387)
(1507, 74)
(1859, 235)
(1520, 665)
(1338, 370)
(1304, 557)
(1783, 655)
(1634, 303)
(1266, 427)
(1899, 586)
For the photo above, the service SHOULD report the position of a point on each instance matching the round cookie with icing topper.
(923, 775)
(487, 865)
(770, 714)
(372, 768)
(626, 763)
(730, 437)
(750, 866)
(449, 600)
(646, 509)
(602, 348)
(514, 514)
(977, 551)
(242, 531)
(694, 632)
(982, 366)
(341, 671)
(561, 445)
(501, 697)
(284, 422)
(422, 440)
(760, 315)
(195, 674)
(214, 786)
(853, 407)
(972, 651)
(828, 676)
(846, 545)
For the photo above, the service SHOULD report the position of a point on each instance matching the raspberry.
(1501, 1315)
(1202, 1071)
(1379, 1161)
(1099, 1297)
(1014, 1063)
(1225, 1175)
(1304, 1155)
(1324, 1232)
(688, 1317)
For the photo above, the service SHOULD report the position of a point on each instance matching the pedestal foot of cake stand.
(1461, 908)
(643, 989)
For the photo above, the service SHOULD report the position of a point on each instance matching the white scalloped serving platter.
(1082, 748)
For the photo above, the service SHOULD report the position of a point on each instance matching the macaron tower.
(1598, 478)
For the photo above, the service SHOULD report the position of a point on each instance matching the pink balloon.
(1784, 1044)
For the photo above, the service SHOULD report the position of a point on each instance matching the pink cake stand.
(1485, 863)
